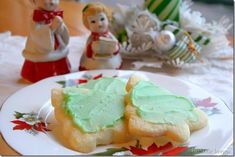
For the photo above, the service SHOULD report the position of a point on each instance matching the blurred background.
(15, 14)
(210, 9)
(215, 9)
(225, 2)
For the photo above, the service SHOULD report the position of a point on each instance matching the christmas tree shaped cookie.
(92, 114)
(153, 111)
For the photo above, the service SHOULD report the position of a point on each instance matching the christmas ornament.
(164, 9)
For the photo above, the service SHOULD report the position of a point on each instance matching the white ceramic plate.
(31, 137)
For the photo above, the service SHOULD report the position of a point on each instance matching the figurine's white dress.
(40, 43)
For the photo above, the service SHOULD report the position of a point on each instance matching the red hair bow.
(46, 16)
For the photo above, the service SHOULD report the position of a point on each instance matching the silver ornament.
(165, 41)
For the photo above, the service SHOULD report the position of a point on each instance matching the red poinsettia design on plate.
(207, 102)
(84, 79)
(207, 105)
(29, 122)
(80, 81)
(151, 150)
(166, 150)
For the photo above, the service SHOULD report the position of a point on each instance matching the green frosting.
(157, 105)
(97, 104)
(107, 84)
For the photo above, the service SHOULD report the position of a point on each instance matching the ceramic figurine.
(102, 48)
(46, 48)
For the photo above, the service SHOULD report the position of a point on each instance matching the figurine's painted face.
(98, 23)
(49, 5)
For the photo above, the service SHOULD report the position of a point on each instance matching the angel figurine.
(46, 48)
(102, 48)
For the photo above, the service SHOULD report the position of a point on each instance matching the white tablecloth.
(216, 77)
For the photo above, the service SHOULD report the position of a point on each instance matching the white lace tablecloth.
(216, 77)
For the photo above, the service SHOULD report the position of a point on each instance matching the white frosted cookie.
(152, 111)
(91, 114)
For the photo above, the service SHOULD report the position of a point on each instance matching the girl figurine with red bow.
(102, 48)
(46, 48)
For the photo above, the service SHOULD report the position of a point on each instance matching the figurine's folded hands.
(104, 47)
(56, 23)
